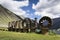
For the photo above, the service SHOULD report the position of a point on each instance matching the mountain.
(56, 23)
(7, 16)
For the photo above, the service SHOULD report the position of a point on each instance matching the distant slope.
(56, 23)
(7, 16)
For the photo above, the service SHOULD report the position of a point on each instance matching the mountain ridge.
(7, 16)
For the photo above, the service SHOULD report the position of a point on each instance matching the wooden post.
(44, 31)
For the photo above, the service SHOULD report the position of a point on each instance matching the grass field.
(6, 35)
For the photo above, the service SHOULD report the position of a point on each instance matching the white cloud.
(49, 8)
(14, 6)
(29, 16)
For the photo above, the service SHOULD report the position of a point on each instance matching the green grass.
(6, 35)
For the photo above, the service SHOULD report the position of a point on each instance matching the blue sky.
(33, 8)
(29, 9)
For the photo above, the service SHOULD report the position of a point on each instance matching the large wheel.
(45, 23)
(47, 20)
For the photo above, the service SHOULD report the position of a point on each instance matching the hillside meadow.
(6, 35)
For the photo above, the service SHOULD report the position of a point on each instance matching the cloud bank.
(49, 8)
(15, 6)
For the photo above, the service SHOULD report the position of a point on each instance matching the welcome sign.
(30, 26)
